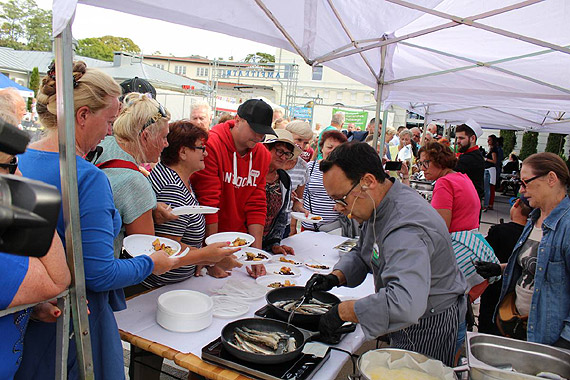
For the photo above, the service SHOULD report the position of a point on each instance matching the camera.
(29, 209)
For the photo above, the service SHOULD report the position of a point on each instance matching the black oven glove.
(487, 269)
(329, 323)
(322, 282)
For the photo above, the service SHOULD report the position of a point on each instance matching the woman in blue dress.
(95, 108)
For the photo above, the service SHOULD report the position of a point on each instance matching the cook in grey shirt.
(419, 289)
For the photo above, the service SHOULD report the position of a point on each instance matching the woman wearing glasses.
(315, 197)
(537, 277)
(95, 108)
(278, 190)
(454, 196)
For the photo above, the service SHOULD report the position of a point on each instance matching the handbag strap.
(315, 225)
(119, 164)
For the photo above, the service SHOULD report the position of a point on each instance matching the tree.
(24, 26)
(34, 84)
(260, 57)
(529, 144)
(555, 143)
(509, 141)
(104, 47)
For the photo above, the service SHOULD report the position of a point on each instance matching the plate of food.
(319, 267)
(252, 256)
(139, 244)
(311, 218)
(274, 281)
(287, 260)
(288, 271)
(187, 210)
(236, 239)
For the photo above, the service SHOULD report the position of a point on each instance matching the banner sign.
(302, 113)
(359, 118)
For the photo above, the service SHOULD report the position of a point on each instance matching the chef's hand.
(321, 282)
(487, 269)
(329, 323)
(163, 213)
(256, 270)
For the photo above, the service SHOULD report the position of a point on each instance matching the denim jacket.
(549, 316)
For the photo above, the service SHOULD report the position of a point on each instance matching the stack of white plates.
(184, 311)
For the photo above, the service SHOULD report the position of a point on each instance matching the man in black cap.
(137, 84)
(234, 176)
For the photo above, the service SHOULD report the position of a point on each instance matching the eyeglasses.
(525, 182)
(11, 166)
(424, 164)
(283, 154)
(161, 113)
(416, 135)
(342, 201)
(202, 148)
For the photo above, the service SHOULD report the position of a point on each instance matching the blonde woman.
(95, 107)
(140, 135)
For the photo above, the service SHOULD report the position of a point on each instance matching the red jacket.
(233, 183)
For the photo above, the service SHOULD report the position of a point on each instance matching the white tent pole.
(278, 25)
(488, 28)
(379, 90)
(68, 169)
(333, 54)
(476, 64)
(344, 27)
(446, 130)
(425, 126)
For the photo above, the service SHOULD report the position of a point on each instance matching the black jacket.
(473, 164)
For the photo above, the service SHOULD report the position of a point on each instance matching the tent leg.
(68, 168)
(425, 127)
(379, 91)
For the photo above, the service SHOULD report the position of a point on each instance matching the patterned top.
(274, 201)
(170, 189)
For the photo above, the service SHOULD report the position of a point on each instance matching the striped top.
(170, 189)
(316, 199)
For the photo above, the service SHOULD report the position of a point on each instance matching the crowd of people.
(134, 164)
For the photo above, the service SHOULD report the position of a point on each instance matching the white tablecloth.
(140, 316)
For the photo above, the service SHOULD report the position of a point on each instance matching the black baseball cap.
(258, 114)
(137, 84)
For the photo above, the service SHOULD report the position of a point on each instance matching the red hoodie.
(233, 183)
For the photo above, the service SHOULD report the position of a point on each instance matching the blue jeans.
(487, 187)
(461, 333)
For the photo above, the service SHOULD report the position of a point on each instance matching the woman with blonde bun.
(95, 108)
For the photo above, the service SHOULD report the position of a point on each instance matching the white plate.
(187, 210)
(247, 291)
(276, 260)
(228, 307)
(230, 236)
(273, 269)
(139, 244)
(307, 219)
(270, 279)
(312, 262)
(242, 255)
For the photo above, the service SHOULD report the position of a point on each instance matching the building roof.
(42, 59)
(11, 61)
(126, 66)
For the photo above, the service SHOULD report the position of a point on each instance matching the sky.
(150, 34)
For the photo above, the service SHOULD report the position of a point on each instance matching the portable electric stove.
(302, 368)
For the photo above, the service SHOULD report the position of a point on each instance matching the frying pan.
(296, 293)
(263, 324)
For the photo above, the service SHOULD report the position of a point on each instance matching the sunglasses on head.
(161, 113)
(11, 166)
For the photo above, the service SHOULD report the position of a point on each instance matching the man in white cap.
(471, 161)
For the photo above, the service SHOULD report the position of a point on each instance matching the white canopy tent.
(467, 52)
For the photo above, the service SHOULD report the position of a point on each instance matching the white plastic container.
(184, 311)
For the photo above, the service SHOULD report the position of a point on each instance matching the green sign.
(359, 118)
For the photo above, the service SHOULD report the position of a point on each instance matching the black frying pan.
(296, 293)
(263, 324)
